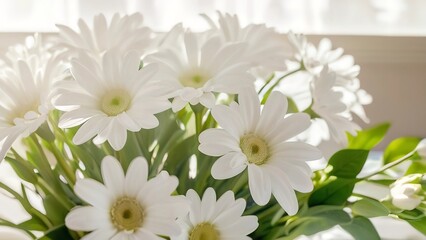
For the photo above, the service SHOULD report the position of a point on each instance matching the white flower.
(26, 85)
(110, 99)
(265, 47)
(327, 103)
(127, 206)
(259, 142)
(421, 148)
(192, 69)
(122, 34)
(314, 60)
(209, 219)
(406, 196)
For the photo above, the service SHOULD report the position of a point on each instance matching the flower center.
(194, 78)
(28, 112)
(127, 214)
(204, 231)
(115, 102)
(255, 149)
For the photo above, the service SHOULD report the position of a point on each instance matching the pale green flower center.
(194, 78)
(204, 231)
(127, 214)
(20, 112)
(255, 148)
(115, 102)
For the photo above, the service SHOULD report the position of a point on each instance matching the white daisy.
(26, 84)
(122, 34)
(209, 219)
(192, 69)
(110, 99)
(265, 47)
(328, 104)
(314, 60)
(259, 142)
(127, 206)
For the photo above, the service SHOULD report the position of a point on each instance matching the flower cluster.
(128, 133)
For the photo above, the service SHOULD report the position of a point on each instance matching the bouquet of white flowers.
(122, 132)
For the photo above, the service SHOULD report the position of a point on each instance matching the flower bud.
(406, 196)
(421, 148)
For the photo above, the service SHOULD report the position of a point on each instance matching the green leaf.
(58, 232)
(54, 210)
(368, 138)
(335, 192)
(369, 208)
(348, 163)
(416, 167)
(419, 224)
(399, 148)
(316, 220)
(32, 225)
(361, 228)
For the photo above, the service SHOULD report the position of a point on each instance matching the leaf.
(369, 208)
(416, 167)
(54, 210)
(399, 148)
(316, 220)
(58, 232)
(32, 225)
(419, 224)
(335, 192)
(368, 138)
(348, 163)
(361, 228)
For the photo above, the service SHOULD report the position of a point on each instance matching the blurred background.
(386, 37)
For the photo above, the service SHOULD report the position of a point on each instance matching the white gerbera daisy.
(316, 58)
(192, 69)
(110, 99)
(265, 47)
(26, 84)
(327, 103)
(122, 34)
(259, 142)
(209, 219)
(127, 206)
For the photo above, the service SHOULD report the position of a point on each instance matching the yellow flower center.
(127, 214)
(255, 148)
(115, 102)
(194, 78)
(204, 231)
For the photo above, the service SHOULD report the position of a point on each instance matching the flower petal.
(229, 165)
(259, 184)
(113, 175)
(87, 219)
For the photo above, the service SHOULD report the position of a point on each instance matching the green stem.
(267, 82)
(389, 165)
(69, 173)
(198, 122)
(65, 203)
(279, 80)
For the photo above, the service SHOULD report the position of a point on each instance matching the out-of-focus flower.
(211, 219)
(192, 69)
(406, 192)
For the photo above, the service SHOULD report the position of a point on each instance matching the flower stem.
(279, 80)
(69, 173)
(389, 165)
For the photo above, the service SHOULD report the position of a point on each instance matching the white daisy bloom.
(110, 99)
(265, 47)
(193, 69)
(259, 141)
(127, 206)
(316, 58)
(209, 219)
(122, 34)
(328, 104)
(26, 85)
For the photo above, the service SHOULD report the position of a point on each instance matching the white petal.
(207, 204)
(195, 207)
(217, 142)
(102, 233)
(296, 151)
(249, 107)
(145, 235)
(136, 176)
(178, 104)
(283, 193)
(208, 100)
(259, 184)
(93, 193)
(113, 175)
(229, 165)
(87, 219)
(229, 119)
(89, 129)
(289, 127)
(273, 111)
(242, 227)
(77, 117)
